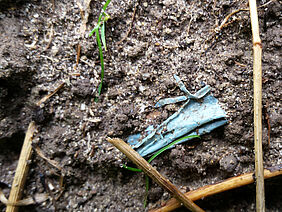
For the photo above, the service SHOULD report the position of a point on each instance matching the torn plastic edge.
(201, 131)
(204, 126)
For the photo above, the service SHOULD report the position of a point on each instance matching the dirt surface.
(38, 52)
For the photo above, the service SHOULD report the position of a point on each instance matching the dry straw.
(153, 173)
(209, 190)
(257, 80)
(23, 165)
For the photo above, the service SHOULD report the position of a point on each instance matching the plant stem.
(153, 173)
(101, 60)
(228, 184)
(161, 151)
(22, 169)
(171, 144)
(257, 80)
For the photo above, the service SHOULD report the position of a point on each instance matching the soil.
(39, 42)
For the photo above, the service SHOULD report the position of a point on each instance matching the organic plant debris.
(38, 53)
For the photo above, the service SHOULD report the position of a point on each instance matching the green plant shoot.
(153, 157)
(161, 151)
(103, 17)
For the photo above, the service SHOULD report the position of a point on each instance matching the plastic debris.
(200, 114)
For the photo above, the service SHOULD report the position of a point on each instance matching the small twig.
(78, 49)
(37, 198)
(78, 54)
(59, 195)
(84, 7)
(51, 162)
(54, 60)
(267, 3)
(214, 37)
(130, 26)
(87, 63)
(49, 95)
(153, 173)
(223, 24)
(257, 81)
(22, 169)
(209, 190)
(240, 64)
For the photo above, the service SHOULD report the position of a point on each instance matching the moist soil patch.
(39, 42)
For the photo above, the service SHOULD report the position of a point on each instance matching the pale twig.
(267, 3)
(84, 7)
(257, 82)
(51, 94)
(240, 64)
(209, 190)
(153, 173)
(51, 162)
(22, 169)
(36, 199)
(224, 22)
(78, 50)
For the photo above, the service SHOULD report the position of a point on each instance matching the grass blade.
(152, 158)
(95, 29)
(131, 168)
(101, 59)
(106, 4)
(147, 190)
(160, 151)
(171, 144)
(100, 18)
(103, 37)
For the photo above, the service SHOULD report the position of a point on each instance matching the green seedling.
(153, 157)
(100, 27)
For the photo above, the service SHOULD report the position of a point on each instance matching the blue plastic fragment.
(200, 114)
(167, 101)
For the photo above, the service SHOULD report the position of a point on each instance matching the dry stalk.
(153, 173)
(78, 50)
(257, 81)
(49, 95)
(22, 169)
(51, 162)
(36, 199)
(228, 184)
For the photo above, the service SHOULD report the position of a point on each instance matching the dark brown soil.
(167, 37)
